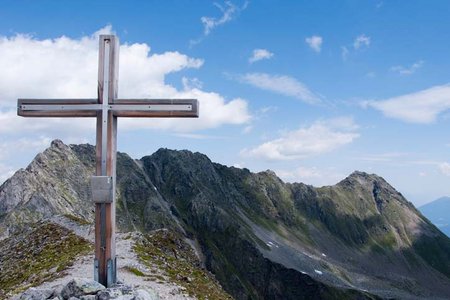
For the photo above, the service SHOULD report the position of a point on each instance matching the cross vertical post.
(106, 143)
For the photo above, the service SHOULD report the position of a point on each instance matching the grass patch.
(176, 259)
(78, 220)
(37, 256)
(135, 271)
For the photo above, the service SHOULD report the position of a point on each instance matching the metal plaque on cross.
(106, 108)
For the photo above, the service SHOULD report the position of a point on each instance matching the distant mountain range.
(438, 212)
(261, 238)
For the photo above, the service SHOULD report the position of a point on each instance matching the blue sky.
(310, 89)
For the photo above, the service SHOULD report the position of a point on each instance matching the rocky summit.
(83, 289)
(250, 236)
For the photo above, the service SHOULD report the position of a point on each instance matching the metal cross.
(106, 108)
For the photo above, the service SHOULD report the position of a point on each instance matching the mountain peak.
(363, 175)
(367, 180)
(57, 143)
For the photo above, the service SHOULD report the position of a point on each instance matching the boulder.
(79, 287)
(145, 294)
(36, 294)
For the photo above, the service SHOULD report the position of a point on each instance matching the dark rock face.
(261, 237)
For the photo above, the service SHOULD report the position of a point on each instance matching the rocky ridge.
(359, 239)
(84, 289)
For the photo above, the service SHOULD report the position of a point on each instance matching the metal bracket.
(96, 270)
(102, 189)
(111, 272)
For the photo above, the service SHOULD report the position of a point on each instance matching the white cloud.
(196, 136)
(67, 68)
(11, 150)
(315, 42)
(281, 84)
(344, 52)
(420, 107)
(384, 157)
(444, 168)
(5, 172)
(191, 83)
(311, 175)
(15, 147)
(229, 12)
(321, 137)
(408, 70)
(247, 129)
(260, 54)
(361, 41)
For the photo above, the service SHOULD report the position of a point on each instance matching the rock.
(88, 297)
(36, 294)
(146, 294)
(125, 289)
(79, 287)
(57, 290)
(110, 293)
(125, 297)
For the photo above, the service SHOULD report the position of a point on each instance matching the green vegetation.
(170, 253)
(38, 256)
(135, 271)
(78, 220)
(435, 250)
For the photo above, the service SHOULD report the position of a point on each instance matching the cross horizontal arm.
(121, 108)
(157, 108)
(57, 107)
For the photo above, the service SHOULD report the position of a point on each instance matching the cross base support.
(111, 271)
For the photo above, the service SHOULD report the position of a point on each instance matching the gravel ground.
(83, 268)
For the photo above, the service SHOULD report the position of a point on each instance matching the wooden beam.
(159, 112)
(144, 108)
(27, 107)
(105, 250)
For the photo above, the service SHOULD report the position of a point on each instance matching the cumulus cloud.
(407, 70)
(11, 150)
(420, 107)
(361, 41)
(260, 54)
(281, 84)
(67, 68)
(22, 145)
(5, 172)
(314, 42)
(444, 168)
(311, 175)
(321, 137)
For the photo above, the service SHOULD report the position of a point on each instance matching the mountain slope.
(262, 238)
(438, 212)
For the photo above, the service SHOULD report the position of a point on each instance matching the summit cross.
(106, 109)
